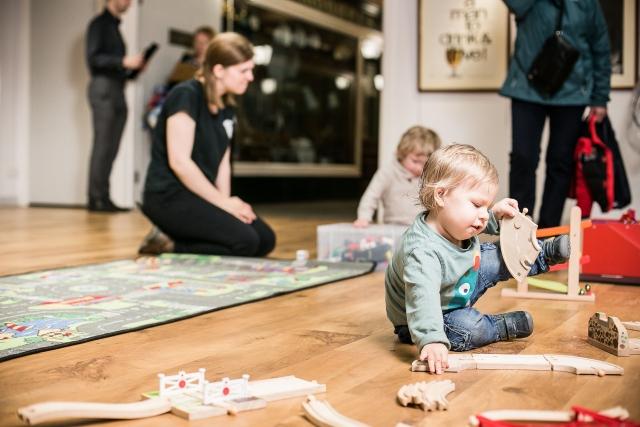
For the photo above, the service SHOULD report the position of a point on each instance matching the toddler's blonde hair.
(417, 139)
(452, 166)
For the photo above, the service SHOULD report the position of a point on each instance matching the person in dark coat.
(588, 85)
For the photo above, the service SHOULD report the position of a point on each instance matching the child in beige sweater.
(396, 185)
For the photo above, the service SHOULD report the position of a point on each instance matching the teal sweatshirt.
(584, 27)
(429, 275)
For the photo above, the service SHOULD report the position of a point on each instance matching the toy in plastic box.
(344, 242)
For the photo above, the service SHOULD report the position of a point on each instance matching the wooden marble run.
(519, 244)
(187, 395)
(320, 413)
(531, 362)
(610, 334)
(577, 417)
(429, 396)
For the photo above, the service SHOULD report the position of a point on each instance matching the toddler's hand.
(360, 223)
(505, 207)
(435, 354)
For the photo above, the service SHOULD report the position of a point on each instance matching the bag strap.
(560, 16)
(594, 132)
(558, 29)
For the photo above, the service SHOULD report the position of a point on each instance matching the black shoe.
(515, 324)
(105, 206)
(402, 331)
(556, 250)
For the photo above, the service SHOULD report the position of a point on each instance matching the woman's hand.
(598, 112)
(238, 208)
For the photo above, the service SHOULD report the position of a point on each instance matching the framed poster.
(462, 44)
(623, 36)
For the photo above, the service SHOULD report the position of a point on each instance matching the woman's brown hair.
(225, 49)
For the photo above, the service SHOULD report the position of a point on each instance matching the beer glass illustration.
(454, 57)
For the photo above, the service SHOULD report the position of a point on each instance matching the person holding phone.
(109, 67)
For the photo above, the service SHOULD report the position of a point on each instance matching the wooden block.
(582, 365)
(190, 407)
(530, 362)
(608, 333)
(284, 388)
(457, 363)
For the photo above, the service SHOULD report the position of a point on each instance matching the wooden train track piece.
(610, 334)
(322, 414)
(429, 396)
(540, 362)
(51, 411)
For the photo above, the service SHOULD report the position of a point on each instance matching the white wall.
(14, 97)
(60, 128)
(156, 17)
(479, 119)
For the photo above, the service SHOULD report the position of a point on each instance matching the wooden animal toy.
(429, 396)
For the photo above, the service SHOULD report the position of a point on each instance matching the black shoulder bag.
(554, 62)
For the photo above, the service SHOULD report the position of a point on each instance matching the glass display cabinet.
(313, 106)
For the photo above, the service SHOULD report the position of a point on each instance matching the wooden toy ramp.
(512, 248)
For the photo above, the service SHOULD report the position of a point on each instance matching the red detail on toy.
(613, 248)
(584, 259)
(226, 391)
(629, 217)
(582, 418)
(182, 383)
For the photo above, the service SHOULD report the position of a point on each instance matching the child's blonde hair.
(417, 139)
(452, 166)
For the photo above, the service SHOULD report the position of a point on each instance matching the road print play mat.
(49, 309)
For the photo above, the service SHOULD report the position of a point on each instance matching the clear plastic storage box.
(344, 242)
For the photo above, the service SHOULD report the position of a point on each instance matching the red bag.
(594, 174)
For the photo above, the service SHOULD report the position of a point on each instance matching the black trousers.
(109, 115)
(196, 226)
(564, 129)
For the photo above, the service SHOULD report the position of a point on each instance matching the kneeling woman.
(187, 191)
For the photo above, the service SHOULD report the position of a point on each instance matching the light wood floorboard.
(336, 334)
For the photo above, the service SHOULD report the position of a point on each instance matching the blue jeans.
(466, 327)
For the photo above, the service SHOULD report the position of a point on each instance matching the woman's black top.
(211, 140)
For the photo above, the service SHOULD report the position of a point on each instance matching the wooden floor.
(336, 334)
